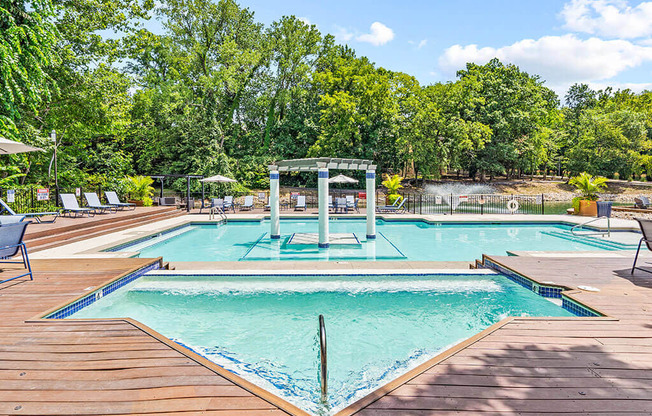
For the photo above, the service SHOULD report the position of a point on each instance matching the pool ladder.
(219, 211)
(579, 226)
(323, 360)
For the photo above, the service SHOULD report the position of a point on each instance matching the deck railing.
(426, 204)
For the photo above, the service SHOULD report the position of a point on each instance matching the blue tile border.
(547, 291)
(98, 294)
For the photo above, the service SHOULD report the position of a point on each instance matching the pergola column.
(371, 204)
(322, 184)
(275, 231)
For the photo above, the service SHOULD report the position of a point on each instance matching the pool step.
(594, 241)
(65, 235)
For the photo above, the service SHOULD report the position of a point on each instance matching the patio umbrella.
(218, 179)
(8, 147)
(342, 179)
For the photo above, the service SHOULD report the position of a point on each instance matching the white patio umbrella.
(8, 147)
(342, 179)
(218, 179)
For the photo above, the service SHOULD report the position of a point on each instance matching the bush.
(616, 175)
(392, 198)
(147, 202)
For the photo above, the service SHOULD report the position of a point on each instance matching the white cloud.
(342, 35)
(379, 35)
(611, 18)
(306, 21)
(423, 43)
(558, 59)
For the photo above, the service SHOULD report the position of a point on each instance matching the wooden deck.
(519, 366)
(102, 367)
(544, 366)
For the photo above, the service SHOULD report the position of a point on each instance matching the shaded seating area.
(71, 207)
(11, 244)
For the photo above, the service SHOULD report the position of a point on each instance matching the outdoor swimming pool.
(400, 240)
(266, 328)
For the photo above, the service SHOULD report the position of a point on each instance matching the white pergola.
(321, 166)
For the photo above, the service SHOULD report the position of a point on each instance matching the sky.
(598, 42)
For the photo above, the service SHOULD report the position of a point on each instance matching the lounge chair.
(228, 203)
(330, 203)
(642, 202)
(11, 242)
(94, 202)
(4, 207)
(248, 203)
(351, 203)
(113, 199)
(301, 203)
(71, 207)
(646, 229)
(393, 209)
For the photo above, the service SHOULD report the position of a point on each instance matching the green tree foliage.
(217, 92)
(28, 39)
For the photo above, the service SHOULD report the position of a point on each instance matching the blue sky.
(600, 42)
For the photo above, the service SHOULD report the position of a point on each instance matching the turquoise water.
(265, 328)
(249, 241)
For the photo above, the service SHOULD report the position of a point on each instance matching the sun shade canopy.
(314, 164)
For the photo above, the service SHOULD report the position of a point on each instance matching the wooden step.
(108, 219)
(72, 237)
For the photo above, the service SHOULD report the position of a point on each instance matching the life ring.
(512, 205)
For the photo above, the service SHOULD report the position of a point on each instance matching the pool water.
(401, 240)
(265, 328)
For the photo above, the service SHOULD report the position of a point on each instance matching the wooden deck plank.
(546, 366)
(99, 367)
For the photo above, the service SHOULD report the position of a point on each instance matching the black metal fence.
(472, 204)
(34, 199)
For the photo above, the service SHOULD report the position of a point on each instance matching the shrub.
(616, 175)
(147, 202)
(589, 185)
(140, 187)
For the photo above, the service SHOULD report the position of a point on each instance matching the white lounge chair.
(4, 207)
(248, 203)
(93, 201)
(71, 206)
(113, 199)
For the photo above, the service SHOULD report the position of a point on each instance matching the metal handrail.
(579, 226)
(219, 211)
(323, 368)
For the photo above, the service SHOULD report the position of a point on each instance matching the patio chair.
(642, 202)
(248, 203)
(4, 207)
(331, 207)
(352, 203)
(71, 207)
(93, 201)
(228, 203)
(11, 243)
(112, 198)
(646, 230)
(11, 219)
(301, 203)
(341, 206)
(393, 209)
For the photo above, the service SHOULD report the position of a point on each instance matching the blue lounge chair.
(341, 206)
(351, 203)
(301, 203)
(228, 203)
(71, 207)
(393, 209)
(4, 207)
(11, 243)
(94, 202)
(113, 199)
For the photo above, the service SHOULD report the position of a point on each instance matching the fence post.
(420, 204)
(543, 204)
(31, 188)
(451, 204)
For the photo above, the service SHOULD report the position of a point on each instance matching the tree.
(28, 39)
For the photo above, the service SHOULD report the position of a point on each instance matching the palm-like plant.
(392, 183)
(589, 185)
(140, 187)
